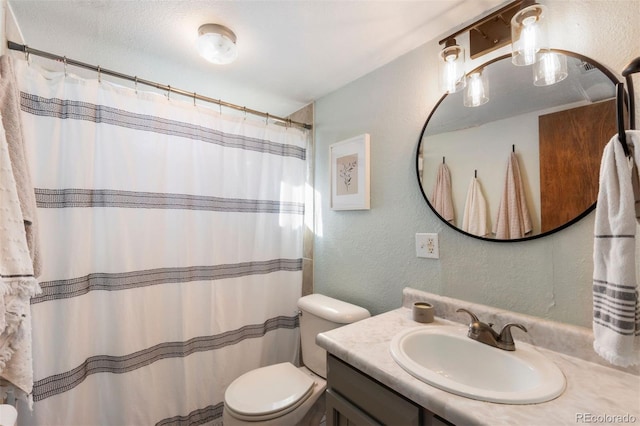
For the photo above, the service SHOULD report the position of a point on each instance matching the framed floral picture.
(350, 173)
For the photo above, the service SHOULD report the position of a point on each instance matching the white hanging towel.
(616, 312)
(17, 283)
(441, 198)
(10, 113)
(474, 220)
(513, 220)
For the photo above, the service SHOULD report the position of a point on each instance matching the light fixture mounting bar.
(492, 34)
(494, 26)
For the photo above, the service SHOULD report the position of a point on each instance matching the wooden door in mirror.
(569, 171)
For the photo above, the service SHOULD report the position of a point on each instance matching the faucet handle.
(474, 318)
(505, 339)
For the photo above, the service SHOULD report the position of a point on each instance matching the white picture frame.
(349, 173)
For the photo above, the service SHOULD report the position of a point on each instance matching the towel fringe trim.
(23, 287)
(15, 294)
(616, 359)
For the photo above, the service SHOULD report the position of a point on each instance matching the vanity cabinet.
(355, 399)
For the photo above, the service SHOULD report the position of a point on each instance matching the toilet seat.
(268, 392)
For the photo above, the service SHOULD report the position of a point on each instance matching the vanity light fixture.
(520, 23)
(550, 68)
(477, 91)
(451, 65)
(488, 33)
(528, 33)
(485, 35)
(217, 44)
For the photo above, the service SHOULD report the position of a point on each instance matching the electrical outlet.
(427, 246)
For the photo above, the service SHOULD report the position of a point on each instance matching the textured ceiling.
(290, 52)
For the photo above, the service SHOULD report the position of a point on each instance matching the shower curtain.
(171, 242)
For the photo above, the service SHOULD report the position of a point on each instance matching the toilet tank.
(319, 313)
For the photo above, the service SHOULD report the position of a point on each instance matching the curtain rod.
(31, 51)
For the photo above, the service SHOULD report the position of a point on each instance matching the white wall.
(8, 27)
(367, 257)
(486, 149)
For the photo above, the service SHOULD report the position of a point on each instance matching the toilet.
(283, 394)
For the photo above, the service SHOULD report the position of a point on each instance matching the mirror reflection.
(529, 156)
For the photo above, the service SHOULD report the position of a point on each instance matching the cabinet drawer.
(376, 400)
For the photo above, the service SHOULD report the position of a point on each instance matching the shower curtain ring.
(99, 74)
(220, 106)
(64, 60)
(26, 53)
(169, 92)
(135, 79)
(194, 98)
(244, 108)
(266, 121)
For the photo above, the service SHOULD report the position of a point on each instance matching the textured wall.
(367, 257)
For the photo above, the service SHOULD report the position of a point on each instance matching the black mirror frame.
(602, 68)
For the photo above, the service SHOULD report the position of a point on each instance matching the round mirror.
(526, 163)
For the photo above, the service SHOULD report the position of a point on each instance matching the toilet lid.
(268, 390)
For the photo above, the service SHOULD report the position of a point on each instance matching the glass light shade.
(550, 68)
(217, 44)
(477, 91)
(528, 34)
(451, 68)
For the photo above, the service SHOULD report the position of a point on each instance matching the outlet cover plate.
(427, 245)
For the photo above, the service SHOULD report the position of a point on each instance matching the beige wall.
(305, 115)
(367, 257)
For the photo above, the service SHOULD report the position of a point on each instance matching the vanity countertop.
(595, 394)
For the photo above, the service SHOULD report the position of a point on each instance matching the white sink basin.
(444, 357)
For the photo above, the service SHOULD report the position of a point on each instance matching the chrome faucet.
(484, 333)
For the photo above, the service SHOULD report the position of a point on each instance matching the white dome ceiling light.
(217, 44)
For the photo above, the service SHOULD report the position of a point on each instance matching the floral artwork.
(347, 178)
(350, 174)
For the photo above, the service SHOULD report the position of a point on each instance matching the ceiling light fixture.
(217, 44)
(528, 33)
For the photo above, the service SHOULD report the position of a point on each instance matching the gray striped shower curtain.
(171, 239)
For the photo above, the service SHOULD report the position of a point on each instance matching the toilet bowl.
(283, 394)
